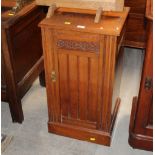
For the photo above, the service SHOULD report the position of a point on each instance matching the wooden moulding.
(137, 140)
(107, 5)
(81, 133)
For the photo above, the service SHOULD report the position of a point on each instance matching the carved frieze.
(78, 45)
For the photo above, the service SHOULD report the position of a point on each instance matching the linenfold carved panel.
(78, 45)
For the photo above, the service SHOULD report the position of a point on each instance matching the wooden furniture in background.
(22, 58)
(141, 120)
(83, 73)
(135, 29)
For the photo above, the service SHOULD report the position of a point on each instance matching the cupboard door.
(77, 68)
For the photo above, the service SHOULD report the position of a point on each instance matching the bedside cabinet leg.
(16, 111)
(42, 79)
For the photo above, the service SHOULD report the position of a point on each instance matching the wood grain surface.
(107, 5)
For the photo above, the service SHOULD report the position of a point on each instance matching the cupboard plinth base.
(140, 141)
(85, 134)
(135, 140)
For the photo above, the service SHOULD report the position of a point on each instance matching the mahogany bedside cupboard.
(141, 119)
(22, 58)
(83, 73)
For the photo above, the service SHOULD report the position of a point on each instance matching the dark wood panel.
(25, 41)
(146, 93)
(22, 54)
(135, 35)
(150, 118)
(135, 29)
(137, 6)
(3, 81)
(141, 120)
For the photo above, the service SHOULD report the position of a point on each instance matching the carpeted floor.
(32, 137)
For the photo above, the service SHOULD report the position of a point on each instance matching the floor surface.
(32, 137)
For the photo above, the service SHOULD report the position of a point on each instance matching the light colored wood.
(107, 5)
(98, 15)
(6, 142)
(51, 10)
(93, 12)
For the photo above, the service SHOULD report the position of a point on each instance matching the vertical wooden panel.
(150, 117)
(100, 81)
(49, 66)
(93, 89)
(63, 80)
(73, 85)
(83, 87)
(108, 81)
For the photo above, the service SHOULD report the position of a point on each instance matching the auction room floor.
(32, 137)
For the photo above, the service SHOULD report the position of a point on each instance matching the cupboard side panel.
(108, 72)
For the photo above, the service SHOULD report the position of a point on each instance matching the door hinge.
(53, 76)
(148, 83)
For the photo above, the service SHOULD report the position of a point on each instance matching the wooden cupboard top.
(111, 23)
